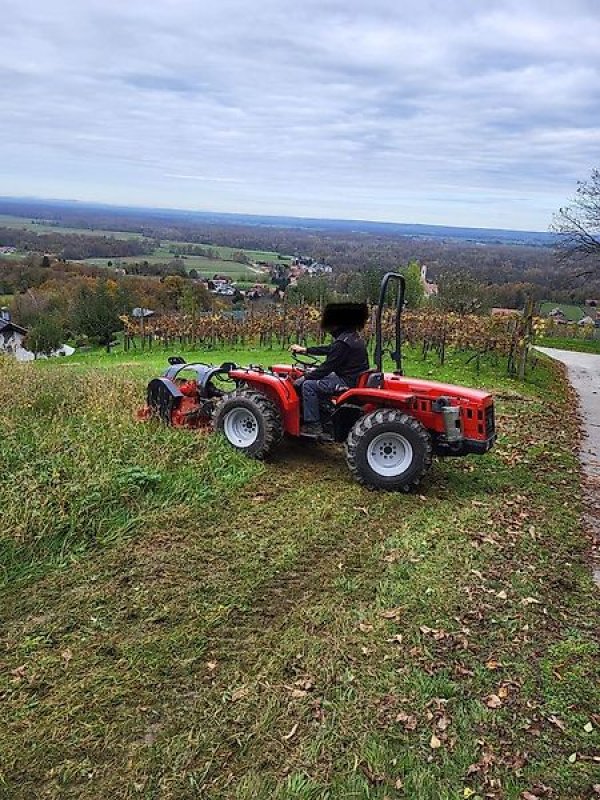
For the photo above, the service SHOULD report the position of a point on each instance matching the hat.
(348, 316)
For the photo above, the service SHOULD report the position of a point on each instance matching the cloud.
(457, 113)
(203, 178)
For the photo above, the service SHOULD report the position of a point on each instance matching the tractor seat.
(370, 379)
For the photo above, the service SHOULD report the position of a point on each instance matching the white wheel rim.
(389, 454)
(240, 426)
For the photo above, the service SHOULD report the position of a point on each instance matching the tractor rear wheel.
(249, 421)
(388, 449)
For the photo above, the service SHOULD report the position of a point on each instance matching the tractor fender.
(164, 385)
(377, 397)
(204, 373)
(280, 390)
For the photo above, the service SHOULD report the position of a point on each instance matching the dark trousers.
(313, 391)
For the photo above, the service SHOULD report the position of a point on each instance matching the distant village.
(276, 278)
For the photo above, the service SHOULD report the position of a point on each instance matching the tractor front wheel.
(388, 449)
(249, 421)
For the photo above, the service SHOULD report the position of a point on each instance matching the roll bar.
(397, 354)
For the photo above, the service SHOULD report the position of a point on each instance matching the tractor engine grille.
(490, 422)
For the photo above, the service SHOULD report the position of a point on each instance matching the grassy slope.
(179, 622)
(565, 343)
(571, 312)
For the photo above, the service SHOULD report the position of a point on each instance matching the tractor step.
(325, 438)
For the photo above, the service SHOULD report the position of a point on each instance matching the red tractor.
(391, 425)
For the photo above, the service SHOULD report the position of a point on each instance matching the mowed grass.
(179, 622)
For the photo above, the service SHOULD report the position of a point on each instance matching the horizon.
(174, 209)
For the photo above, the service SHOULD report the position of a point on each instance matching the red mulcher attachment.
(186, 394)
(391, 425)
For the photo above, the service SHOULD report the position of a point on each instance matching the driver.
(346, 358)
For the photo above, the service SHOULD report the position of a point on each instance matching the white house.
(12, 337)
(429, 287)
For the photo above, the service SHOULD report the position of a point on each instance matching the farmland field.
(205, 266)
(25, 223)
(572, 313)
(180, 622)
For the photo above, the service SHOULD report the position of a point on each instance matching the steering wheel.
(305, 360)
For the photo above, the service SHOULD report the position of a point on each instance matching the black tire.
(395, 463)
(267, 419)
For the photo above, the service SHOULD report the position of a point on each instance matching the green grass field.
(226, 253)
(205, 266)
(27, 224)
(163, 254)
(565, 343)
(180, 622)
(572, 313)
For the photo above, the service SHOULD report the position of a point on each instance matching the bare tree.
(578, 224)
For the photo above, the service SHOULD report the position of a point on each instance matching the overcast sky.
(458, 112)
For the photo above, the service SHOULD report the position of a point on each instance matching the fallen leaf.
(529, 796)
(371, 776)
(66, 655)
(493, 701)
(292, 733)
(503, 692)
(399, 783)
(409, 721)
(572, 758)
(443, 723)
(365, 627)
(468, 792)
(211, 665)
(304, 683)
(492, 664)
(391, 613)
(239, 694)
(596, 788)
(502, 595)
(434, 742)
(588, 727)
(297, 693)
(527, 601)
(18, 673)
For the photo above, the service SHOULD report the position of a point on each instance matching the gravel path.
(584, 374)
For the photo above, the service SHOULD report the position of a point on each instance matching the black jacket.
(346, 356)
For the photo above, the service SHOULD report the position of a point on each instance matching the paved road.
(584, 374)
